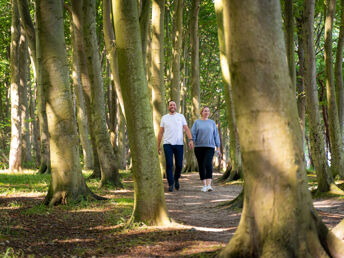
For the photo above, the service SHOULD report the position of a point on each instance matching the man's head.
(172, 107)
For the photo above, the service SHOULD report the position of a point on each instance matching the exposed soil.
(201, 227)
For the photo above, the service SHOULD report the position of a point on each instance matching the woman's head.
(205, 111)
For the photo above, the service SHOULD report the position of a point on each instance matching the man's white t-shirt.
(173, 128)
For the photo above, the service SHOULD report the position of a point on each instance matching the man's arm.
(188, 134)
(160, 134)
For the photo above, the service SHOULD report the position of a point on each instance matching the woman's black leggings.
(204, 157)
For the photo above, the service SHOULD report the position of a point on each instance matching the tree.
(67, 183)
(337, 156)
(149, 206)
(278, 218)
(177, 39)
(16, 135)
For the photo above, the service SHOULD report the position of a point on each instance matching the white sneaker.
(209, 188)
(204, 189)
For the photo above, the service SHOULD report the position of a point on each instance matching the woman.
(205, 137)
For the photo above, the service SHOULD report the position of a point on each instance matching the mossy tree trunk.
(16, 135)
(316, 135)
(278, 218)
(177, 40)
(234, 149)
(107, 159)
(149, 204)
(339, 70)
(81, 114)
(337, 155)
(67, 183)
(34, 47)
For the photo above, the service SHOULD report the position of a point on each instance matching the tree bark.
(337, 158)
(234, 150)
(81, 115)
(107, 159)
(16, 136)
(149, 205)
(290, 46)
(278, 218)
(339, 70)
(177, 39)
(67, 183)
(316, 136)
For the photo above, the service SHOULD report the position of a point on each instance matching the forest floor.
(201, 225)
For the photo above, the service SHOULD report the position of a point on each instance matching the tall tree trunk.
(35, 55)
(290, 46)
(24, 107)
(234, 150)
(67, 183)
(337, 158)
(177, 40)
(300, 88)
(16, 136)
(107, 158)
(156, 79)
(339, 70)
(195, 78)
(81, 115)
(144, 27)
(149, 205)
(316, 135)
(278, 218)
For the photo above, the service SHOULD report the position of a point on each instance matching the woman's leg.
(208, 157)
(199, 152)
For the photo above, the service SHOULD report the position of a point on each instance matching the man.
(171, 127)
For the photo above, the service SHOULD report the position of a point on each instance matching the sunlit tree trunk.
(81, 115)
(16, 135)
(177, 39)
(144, 27)
(337, 158)
(149, 205)
(339, 70)
(67, 183)
(31, 35)
(278, 218)
(316, 135)
(191, 163)
(300, 88)
(234, 150)
(290, 46)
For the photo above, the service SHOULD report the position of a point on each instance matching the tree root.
(236, 203)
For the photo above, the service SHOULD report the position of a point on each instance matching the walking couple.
(203, 136)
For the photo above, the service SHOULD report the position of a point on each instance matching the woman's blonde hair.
(202, 108)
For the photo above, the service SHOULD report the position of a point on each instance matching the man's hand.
(191, 145)
(159, 150)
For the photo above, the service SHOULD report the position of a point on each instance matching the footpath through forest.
(93, 229)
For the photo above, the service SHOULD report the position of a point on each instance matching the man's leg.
(169, 165)
(178, 161)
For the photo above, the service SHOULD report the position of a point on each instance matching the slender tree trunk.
(337, 158)
(16, 136)
(34, 48)
(107, 159)
(67, 183)
(317, 142)
(81, 115)
(300, 88)
(234, 149)
(24, 107)
(144, 27)
(149, 206)
(177, 40)
(290, 46)
(339, 70)
(278, 218)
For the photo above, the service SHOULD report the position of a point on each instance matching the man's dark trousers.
(177, 151)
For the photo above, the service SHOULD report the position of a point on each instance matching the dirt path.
(201, 212)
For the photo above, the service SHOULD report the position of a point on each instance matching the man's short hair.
(171, 100)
